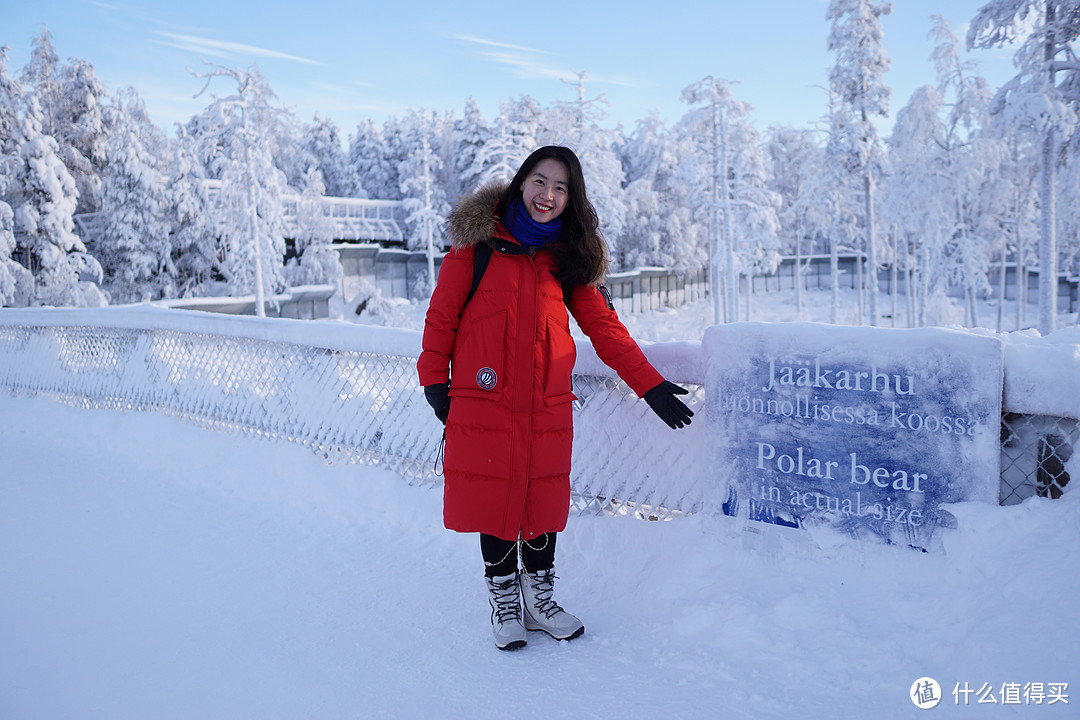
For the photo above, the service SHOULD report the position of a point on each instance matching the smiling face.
(545, 191)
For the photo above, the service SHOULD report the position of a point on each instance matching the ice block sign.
(870, 430)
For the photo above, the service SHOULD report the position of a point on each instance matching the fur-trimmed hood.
(473, 219)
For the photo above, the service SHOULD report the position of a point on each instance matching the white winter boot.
(543, 613)
(506, 612)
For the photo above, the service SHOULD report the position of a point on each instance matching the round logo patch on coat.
(486, 378)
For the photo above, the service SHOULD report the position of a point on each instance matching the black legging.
(500, 556)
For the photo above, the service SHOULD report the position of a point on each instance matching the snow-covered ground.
(154, 570)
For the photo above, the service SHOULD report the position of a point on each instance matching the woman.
(496, 367)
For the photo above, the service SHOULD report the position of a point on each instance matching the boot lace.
(507, 603)
(543, 584)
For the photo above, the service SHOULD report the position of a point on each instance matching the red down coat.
(509, 357)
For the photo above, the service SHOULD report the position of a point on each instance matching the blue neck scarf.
(527, 231)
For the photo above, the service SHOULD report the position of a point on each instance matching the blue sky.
(373, 59)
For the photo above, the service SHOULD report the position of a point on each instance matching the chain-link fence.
(346, 405)
(364, 405)
(1034, 450)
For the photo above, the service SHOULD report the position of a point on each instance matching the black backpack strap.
(568, 289)
(480, 263)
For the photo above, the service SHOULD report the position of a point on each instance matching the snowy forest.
(970, 177)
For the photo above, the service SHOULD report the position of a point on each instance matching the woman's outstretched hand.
(438, 397)
(669, 408)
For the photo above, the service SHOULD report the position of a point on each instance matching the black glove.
(671, 409)
(438, 397)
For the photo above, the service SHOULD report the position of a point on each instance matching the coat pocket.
(478, 360)
(561, 354)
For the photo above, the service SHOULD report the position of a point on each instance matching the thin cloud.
(220, 48)
(494, 43)
(525, 66)
(523, 61)
(528, 62)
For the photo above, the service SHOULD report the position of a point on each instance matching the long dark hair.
(581, 251)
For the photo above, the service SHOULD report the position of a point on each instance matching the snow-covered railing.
(350, 394)
(354, 219)
(303, 302)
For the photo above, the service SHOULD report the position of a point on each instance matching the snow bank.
(1042, 374)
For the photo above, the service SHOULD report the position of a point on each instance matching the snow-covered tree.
(41, 77)
(135, 248)
(322, 144)
(919, 199)
(236, 140)
(648, 152)
(470, 135)
(196, 251)
(793, 156)
(16, 282)
(82, 129)
(401, 136)
(707, 127)
(12, 102)
(317, 262)
(515, 134)
(756, 209)
(42, 196)
(425, 204)
(45, 199)
(973, 157)
(742, 211)
(661, 232)
(837, 195)
(856, 81)
(946, 196)
(795, 159)
(72, 101)
(11, 109)
(1045, 95)
(643, 244)
(1020, 173)
(369, 164)
(286, 141)
(577, 125)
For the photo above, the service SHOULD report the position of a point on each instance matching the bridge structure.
(358, 220)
